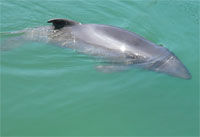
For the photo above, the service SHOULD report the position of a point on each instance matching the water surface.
(48, 90)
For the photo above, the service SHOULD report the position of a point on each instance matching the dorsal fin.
(60, 23)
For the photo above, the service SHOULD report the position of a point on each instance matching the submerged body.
(114, 44)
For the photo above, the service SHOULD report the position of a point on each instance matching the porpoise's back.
(118, 39)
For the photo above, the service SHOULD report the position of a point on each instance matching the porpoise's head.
(174, 67)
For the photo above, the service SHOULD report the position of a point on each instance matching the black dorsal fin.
(60, 23)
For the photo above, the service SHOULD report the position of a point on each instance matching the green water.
(52, 91)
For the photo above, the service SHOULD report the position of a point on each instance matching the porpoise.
(120, 47)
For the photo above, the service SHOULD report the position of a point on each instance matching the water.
(52, 91)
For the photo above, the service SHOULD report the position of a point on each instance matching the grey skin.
(118, 46)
